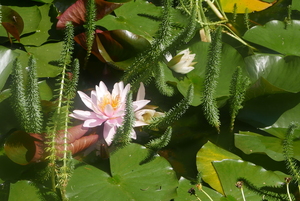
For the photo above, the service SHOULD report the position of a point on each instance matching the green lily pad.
(7, 56)
(280, 71)
(206, 155)
(269, 110)
(128, 18)
(42, 31)
(262, 87)
(230, 171)
(31, 17)
(250, 143)
(129, 181)
(12, 22)
(46, 56)
(185, 185)
(231, 59)
(277, 35)
(295, 5)
(26, 190)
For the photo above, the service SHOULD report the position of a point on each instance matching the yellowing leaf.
(252, 5)
(205, 156)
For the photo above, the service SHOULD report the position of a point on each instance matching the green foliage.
(174, 113)
(18, 96)
(210, 108)
(238, 87)
(122, 136)
(288, 153)
(26, 100)
(133, 171)
(33, 99)
(90, 26)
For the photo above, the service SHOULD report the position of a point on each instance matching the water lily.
(108, 108)
(182, 62)
(146, 115)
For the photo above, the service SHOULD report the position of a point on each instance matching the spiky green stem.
(174, 113)
(238, 87)
(288, 153)
(33, 98)
(210, 108)
(90, 27)
(18, 96)
(122, 136)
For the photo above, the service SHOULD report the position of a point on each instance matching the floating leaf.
(206, 155)
(46, 56)
(26, 190)
(269, 110)
(31, 17)
(7, 56)
(22, 148)
(230, 171)
(296, 5)
(129, 181)
(262, 87)
(250, 143)
(76, 12)
(12, 22)
(185, 185)
(242, 5)
(41, 34)
(277, 35)
(280, 71)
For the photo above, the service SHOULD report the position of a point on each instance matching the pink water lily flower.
(108, 108)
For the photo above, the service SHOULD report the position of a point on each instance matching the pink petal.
(90, 123)
(83, 115)
(141, 92)
(101, 90)
(109, 132)
(109, 110)
(85, 99)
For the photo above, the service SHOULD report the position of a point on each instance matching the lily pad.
(277, 35)
(280, 71)
(269, 110)
(296, 5)
(12, 22)
(128, 181)
(31, 17)
(254, 177)
(42, 31)
(24, 190)
(250, 143)
(253, 5)
(206, 155)
(185, 185)
(7, 56)
(46, 56)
